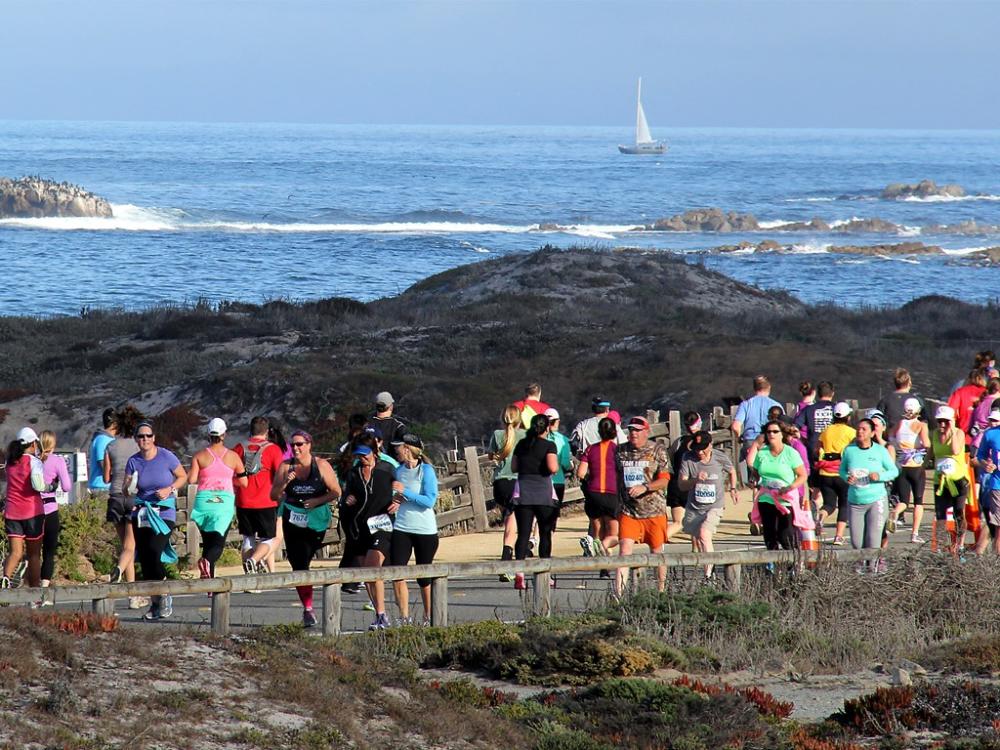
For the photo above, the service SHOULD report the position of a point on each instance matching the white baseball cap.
(944, 412)
(551, 413)
(27, 436)
(995, 415)
(841, 409)
(911, 406)
(216, 427)
(384, 399)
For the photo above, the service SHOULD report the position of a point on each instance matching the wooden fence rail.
(102, 596)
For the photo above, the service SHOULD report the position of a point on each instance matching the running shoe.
(506, 578)
(381, 622)
(5, 583)
(308, 618)
(204, 568)
(770, 568)
(838, 541)
(890, 526)
(917, 539)
(166, 606)
(138, 602)
(604, 574)
(116, 575)
(249, 567)
(599, 548)
(153, 613)
(519, 582)
(368, 607)
(586, 544)
(881, 567)
(351, 588)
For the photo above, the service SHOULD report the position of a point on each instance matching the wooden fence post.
(476, 491)
(674, 430)
(220, 612)
(734, 576)
(103, 606)
(439, 602)
(542, 600)
(331, 609)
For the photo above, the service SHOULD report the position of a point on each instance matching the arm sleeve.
(428, 488)
(741, 413)
(37, 476)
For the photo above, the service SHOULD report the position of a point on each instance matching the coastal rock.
(864, 226)
(707, 220)
(767, 246)
(34, 197)
(901, 248)
(923, 189)
(988, 257)
(813, 225)
(969, 227)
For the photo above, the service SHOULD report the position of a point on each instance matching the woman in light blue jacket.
(414, 530)
(866, 466)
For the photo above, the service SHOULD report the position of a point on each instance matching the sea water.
(262, 211)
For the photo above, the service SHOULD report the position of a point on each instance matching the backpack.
(252, 453)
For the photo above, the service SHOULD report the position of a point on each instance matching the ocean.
(263, 211)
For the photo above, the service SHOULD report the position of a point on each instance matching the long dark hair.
(15, 450)
(127, 420)
(275, 435)
(538, 427)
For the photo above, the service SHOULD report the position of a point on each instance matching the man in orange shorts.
(646, 473)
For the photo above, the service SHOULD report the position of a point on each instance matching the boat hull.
(644, 149)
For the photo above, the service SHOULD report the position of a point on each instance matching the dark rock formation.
(969, 227)
(707, 220)
(860, 226)
(34, 197)
(923, 189)
(813, 225)
(901, 248)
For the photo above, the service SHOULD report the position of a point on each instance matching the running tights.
(50, 542)
(524, 515)
(212, 545)
(148, 547)
(777, 527)
(867, 522)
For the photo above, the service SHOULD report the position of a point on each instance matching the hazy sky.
(784, 63)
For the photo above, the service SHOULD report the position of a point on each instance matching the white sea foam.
(949, 198)
(773, 224)
(908, 231)
(824, 199)
(841, 222)
(597, 231)
(809, 248)
(959, 251)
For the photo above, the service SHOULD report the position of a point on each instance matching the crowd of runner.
(818, 467)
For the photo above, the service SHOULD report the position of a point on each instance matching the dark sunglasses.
(143, 435)
(773, 432)
(299, 445)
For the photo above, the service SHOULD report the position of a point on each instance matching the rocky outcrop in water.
(923, 189)
(970, 228)
(34, 198)
(900, 248)
(707, 220)
(867, 226)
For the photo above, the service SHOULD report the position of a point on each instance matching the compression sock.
(305, 595)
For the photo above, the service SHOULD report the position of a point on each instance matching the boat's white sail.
(642, 134)
(644, 143)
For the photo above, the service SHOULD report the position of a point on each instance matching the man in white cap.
(563, 453)
(951, 474)
(988, 462)
(385, 421)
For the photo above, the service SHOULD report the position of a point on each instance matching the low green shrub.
(85, 533)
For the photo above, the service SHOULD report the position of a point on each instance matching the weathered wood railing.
(102, 596)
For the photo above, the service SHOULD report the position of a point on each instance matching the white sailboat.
(644, 143)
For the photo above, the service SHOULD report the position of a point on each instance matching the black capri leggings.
(525, 515)
(212, 545)
(50, 543)
(910, 482)
(301, 545)
(834, 492)
(422, 546)
(148, 547)
(777, 527)
(945, 499)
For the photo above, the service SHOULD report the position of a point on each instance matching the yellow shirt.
(833, 440)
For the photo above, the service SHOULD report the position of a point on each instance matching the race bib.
(381, 522)
(704, 493)
(946, 466)
(298, 518)
(635, 476)
(861, 477)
